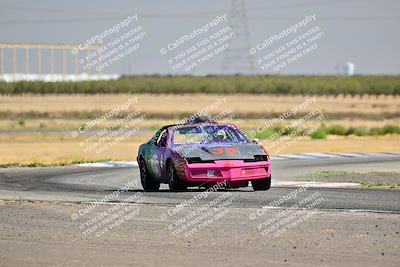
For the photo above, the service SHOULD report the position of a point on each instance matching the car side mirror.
(255, 140)
(161, 143)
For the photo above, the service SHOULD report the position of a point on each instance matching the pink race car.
(202, 154)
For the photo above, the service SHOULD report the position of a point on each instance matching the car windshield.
(208, 134)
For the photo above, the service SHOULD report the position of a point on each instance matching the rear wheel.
(261, 184)
(148, 182)
(174, 182)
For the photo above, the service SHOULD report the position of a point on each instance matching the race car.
(203, 154)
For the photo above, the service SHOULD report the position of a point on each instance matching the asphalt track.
(86, 184)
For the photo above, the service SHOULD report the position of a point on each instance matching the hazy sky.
(363, 32)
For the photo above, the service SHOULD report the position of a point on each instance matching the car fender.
(179, 163)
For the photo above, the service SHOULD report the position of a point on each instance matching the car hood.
(214, 151)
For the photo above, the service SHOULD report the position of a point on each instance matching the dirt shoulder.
(367, 179)
(37, 234)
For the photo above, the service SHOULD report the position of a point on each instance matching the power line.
(304, 4)
(96, 19)
(192, 15)
(236, 57)
(52, 10)
(332, 18)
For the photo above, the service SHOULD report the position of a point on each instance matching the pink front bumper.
(227, 170)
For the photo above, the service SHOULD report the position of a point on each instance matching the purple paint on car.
(203, 154)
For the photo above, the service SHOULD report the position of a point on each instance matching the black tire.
(174, 182)
(148, 182)
(261, 184)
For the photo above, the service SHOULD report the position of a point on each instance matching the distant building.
(41, 62)
(348, 69)
(15, 77)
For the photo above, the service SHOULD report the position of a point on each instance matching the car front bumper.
(227, 170)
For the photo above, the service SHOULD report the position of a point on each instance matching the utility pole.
(237, 58)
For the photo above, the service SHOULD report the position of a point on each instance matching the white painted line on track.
(324, 155)
(110, 164)
(277, 157)
(383, 154)
(313, 184)
(390, 153)
(354, 155)
(299, 156)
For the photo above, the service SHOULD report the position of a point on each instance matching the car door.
(151, 154)
(156, 155)
(161, 152)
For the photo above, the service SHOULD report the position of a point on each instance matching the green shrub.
(287, 85)
(360, 131)
(264, 134)
(115, 128)
(288, 131)
(336, 130)
(323, 131)
(376, 131)
(391, 129)
(319, 134)
(357, 131)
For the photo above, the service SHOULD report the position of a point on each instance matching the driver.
(220, 136)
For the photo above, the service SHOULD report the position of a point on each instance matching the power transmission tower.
(237, 58)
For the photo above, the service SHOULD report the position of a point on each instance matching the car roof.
(195, 124)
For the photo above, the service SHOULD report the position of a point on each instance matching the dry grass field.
(152, 124)
(25, 139)
(64, 111)
(53, 149)
(240, 103)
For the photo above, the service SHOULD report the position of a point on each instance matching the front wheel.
(175, 184)
(261, 184)
(148, 182)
